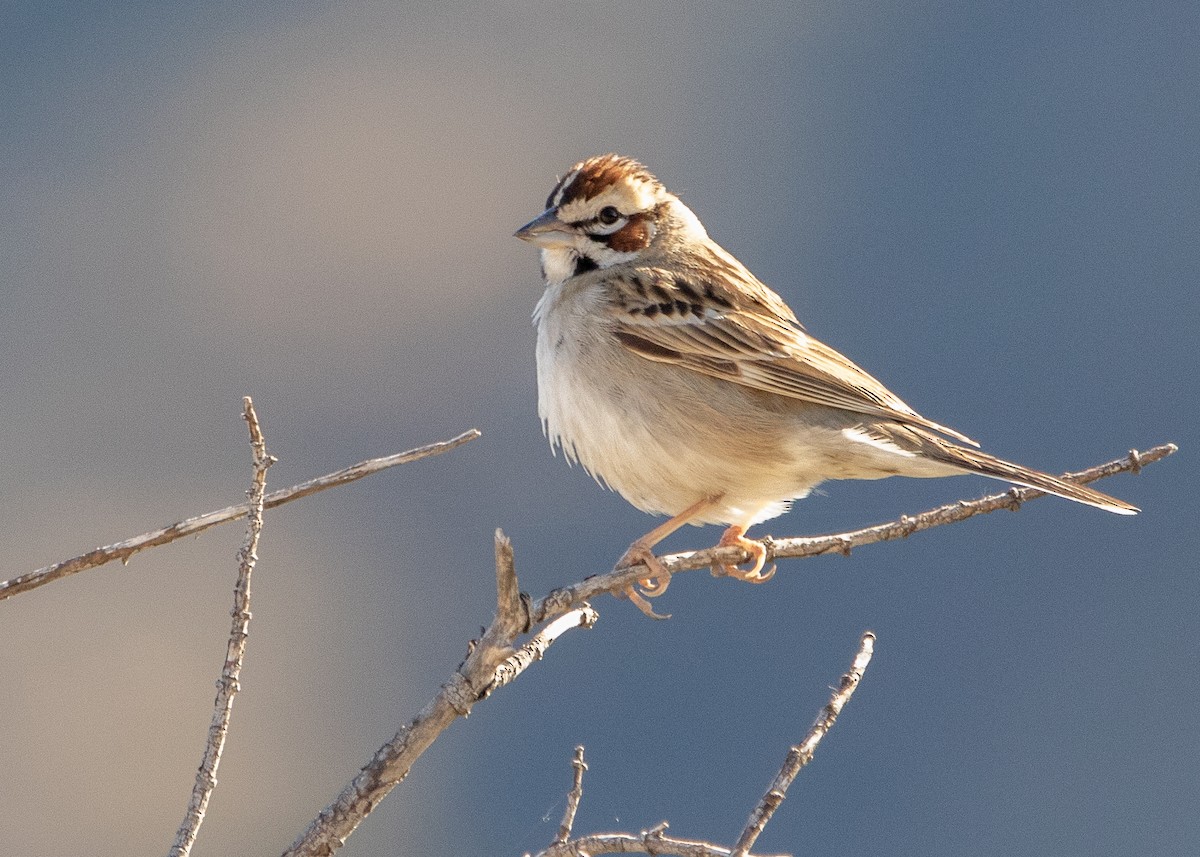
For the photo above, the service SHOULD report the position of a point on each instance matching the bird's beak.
(545, 230)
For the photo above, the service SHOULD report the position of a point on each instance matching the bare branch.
(573, 797)
(559, 601)
(802, 753)
(474, 678)
(123, 550)
(227, 684)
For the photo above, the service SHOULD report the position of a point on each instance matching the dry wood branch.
(574, 796)
(569, 597)
(466, 686)
(510, 601)
(802, 753)
(227, 684)
(123, 550)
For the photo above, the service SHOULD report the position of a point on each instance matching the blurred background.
(992, 207)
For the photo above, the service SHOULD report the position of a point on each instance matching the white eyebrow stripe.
(562, 188)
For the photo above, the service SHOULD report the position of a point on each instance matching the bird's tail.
(979, 462)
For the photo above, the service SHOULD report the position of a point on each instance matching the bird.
(680, 380)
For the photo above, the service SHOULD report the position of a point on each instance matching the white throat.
(559, 263)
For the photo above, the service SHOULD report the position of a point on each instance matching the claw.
(735, 536)
(641, 603)
(651, 586)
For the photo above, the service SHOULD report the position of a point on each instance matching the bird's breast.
(662, 436)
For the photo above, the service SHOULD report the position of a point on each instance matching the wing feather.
(743, 332)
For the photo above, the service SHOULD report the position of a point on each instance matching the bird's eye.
(609, 215)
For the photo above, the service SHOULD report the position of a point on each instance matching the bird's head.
(605, 211)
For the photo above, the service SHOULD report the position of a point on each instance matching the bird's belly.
(665, 438)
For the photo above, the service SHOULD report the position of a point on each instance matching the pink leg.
(641, 552)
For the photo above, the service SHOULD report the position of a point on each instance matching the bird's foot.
(651, 586)
(736, 537)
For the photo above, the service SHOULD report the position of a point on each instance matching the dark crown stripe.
(589, 178)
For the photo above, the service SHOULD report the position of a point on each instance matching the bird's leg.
(641, 552)
(735, 536)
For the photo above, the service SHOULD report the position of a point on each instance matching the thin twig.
(123, 550)
(802, 753)
(560, 600)
(466, 686)
(227, 684)
(573, 797)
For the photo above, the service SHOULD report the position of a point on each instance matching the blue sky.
(992, 209)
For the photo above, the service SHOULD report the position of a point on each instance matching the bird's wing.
(718, 319)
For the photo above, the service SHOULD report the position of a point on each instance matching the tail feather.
(979, 462)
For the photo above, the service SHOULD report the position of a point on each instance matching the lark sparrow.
(680, 380)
